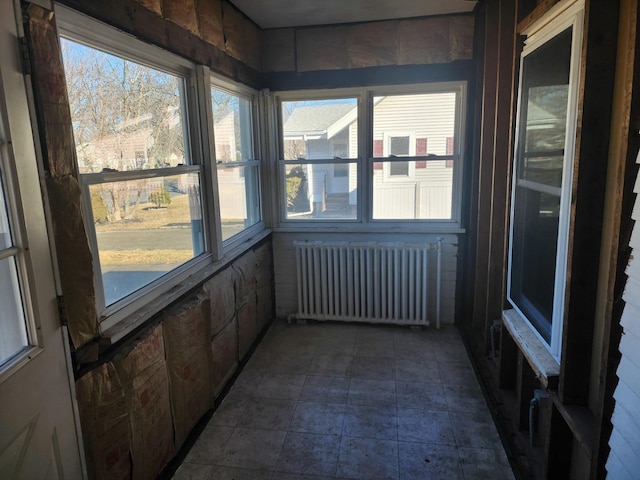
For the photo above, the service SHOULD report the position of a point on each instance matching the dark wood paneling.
(589, 184)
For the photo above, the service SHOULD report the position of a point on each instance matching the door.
(38, 436)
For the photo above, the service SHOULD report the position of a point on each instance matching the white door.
(38, 438)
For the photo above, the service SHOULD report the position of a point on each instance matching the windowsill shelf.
(546, 368)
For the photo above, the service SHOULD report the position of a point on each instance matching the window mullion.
(212, 198)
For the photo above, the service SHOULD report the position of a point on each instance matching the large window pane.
(412, 190)
(232, 127)
(239, 200)
(145, 228)
(539, 183)
(545, 90)
(533, 268)
(320, 129)
(314, 191)
(417, 124)
(126, 116)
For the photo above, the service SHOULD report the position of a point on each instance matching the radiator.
(368, 282)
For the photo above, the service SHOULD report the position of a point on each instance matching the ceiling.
(295, 13)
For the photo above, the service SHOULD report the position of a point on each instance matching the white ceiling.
(295, 13)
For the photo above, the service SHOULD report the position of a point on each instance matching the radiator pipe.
(534, 405)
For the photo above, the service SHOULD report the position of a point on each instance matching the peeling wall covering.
(138, 409)
(420, 41)
(189, 28)
(75, 263)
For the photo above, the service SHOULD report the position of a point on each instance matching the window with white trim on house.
(542, 180)
(238, 168)
(388, 180)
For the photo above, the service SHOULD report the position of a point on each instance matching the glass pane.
(232, 127)
(545, 90)
(145, 228)
(239, 199)
(5, 231)
(315, 192)
(320, 129)
(13, 331)
(126, 116)
(533, 267)
(399, 169)
(412, 190)
(399, 146)
(417, 124)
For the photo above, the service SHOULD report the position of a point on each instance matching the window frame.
(281, 162)
(365, 99)
(242, 91)
(90, 32)
(538, 36)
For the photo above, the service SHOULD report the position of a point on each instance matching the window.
(13, 322)
(417, 126)
(542, 179)
(398, 145)
(401, 166)
(238, 168)
(141, 177)
(319, 158)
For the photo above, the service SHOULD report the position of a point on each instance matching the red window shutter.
(378, 151)
(449, 163)
(449, 145)
(377, 148)
(421, 151)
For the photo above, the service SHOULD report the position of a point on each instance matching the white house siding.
(425, 194)
(624, 459)
(429, 116)
(285, 267)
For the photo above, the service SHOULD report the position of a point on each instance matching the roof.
(315, 119)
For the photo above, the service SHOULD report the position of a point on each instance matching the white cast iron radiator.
(368, 282)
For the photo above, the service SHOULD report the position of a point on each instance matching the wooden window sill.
(546, 368)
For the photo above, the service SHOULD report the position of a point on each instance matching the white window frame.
(364, 220)
(281, 163)
(247, 93)
(86, 30)
(559, 19)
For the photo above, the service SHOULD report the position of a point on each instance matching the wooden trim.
(625, 144)
(540, 11)
(588, 197)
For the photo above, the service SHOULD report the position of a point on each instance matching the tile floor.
(331, 400)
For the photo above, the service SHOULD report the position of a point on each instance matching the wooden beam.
(589, 182)
(621, 178)
(558, 447)
(526, 383)
(537, 13)
(508, 360)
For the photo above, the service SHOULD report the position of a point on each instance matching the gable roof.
(315, 120)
